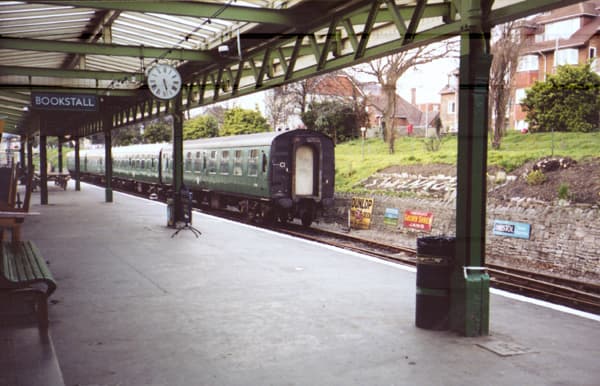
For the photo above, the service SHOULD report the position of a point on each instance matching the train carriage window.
(224, 165)
(188, 161)
(198, 162)
(142, 164)
(212, 162)
(237, 163)
(253, 163)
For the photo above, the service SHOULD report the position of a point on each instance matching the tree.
(505, 52)
(566, 101)
(389, 69)
(280, 103)
(127, 135)
(202, 126)
(218, 112)
(157, 131)
(243, 121)
(337, 119)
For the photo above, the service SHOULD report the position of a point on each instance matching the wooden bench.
(25, 274)
(14, 223)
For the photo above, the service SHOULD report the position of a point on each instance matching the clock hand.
(165, 84)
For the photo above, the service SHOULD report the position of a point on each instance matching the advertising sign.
(512, 229)
(72, 102)
(390, 217)
(421, 221)
(360, 212)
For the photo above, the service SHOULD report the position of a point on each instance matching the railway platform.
(243, 306)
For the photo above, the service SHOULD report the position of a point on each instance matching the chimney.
(413, 96)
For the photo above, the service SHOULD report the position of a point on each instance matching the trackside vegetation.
(517, 149)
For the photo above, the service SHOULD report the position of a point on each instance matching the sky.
(427, 79)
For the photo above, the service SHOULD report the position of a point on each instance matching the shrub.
(432, 144)
(563, 192)
(536, 177)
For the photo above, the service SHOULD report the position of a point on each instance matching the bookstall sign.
(360, 212)
(390, 216)
(71, 102)
(421, 221)
(512, 229)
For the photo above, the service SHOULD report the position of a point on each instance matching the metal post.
(22, 162)
(77, 166)
(475, 62)
(108, 159)
(60, 156)
(43, 171)
(177, 114)
(30, 167)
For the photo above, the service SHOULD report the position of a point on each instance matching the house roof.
(585, 8)
(339, 85)
(404, 109)
(579, 38)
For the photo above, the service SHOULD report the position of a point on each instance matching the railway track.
(575, 294)
(571, 293)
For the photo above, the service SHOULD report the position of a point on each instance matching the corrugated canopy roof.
(105, 47)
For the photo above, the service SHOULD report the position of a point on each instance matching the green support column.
(469, 311)
(108, 161)
(30, 153)
(22, 160)
(177, 114)
(60, 160)
(43, 171)
(77, 166)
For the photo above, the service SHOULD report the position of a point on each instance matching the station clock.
(164, 81)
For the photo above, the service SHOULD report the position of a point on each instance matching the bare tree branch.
(388, 70)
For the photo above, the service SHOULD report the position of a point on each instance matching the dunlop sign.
(360, 212)
(72, 102)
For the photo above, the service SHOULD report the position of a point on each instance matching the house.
(343, 88)
(420, 119)
(449, 104)
(568, 35)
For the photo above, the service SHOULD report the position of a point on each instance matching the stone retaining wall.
(564, 240)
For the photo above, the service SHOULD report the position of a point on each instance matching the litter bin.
(477, 305)
(435, 257)
(170, 213)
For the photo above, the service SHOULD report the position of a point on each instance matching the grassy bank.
(352, 166)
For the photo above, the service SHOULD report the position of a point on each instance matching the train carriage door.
(304, 164)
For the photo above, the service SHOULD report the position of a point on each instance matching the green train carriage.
(274, 175)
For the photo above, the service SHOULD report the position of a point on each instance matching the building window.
(520, 94)
(451, 107)
(528, 63)
(566, 56)
(561, 29)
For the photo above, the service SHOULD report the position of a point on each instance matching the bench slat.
(24, 265)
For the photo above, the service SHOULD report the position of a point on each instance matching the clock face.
(164, 81)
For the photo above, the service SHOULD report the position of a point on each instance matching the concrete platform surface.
(241, 306)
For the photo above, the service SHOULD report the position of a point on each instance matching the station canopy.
(222, 49)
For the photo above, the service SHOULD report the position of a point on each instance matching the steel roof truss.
(193, 9)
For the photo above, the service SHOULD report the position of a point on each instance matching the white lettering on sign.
(64, 102)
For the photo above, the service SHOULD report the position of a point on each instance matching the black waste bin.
(435, 256)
